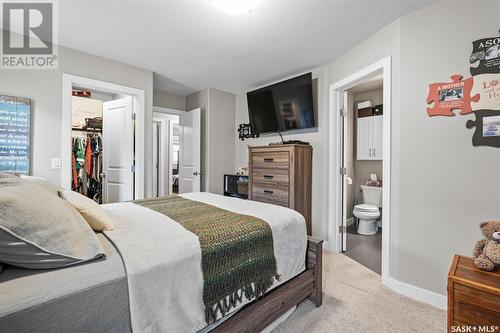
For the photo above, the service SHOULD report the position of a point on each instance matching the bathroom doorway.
(360, 166)
(363, 162)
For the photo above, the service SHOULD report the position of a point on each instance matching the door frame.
(160, 146)
(139, 107)
(335, 157)
(158, 111)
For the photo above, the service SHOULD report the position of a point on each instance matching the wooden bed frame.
(256, 316)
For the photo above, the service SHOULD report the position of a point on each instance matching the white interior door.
(343, 175)
(189, 151)
(118, 151)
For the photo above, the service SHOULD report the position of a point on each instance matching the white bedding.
(163, 260)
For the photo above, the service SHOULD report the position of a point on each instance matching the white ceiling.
(368, 84)
(190, 45)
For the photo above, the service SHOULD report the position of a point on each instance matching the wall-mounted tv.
(283, 106)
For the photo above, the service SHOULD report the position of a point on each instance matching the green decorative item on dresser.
(237, 253)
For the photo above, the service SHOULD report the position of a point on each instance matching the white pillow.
(43, 182)
(94, 214)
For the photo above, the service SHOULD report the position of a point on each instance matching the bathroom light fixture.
(235, 7)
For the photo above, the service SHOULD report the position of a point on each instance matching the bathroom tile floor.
(366, 250)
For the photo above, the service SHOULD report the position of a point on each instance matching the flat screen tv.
(283, 106)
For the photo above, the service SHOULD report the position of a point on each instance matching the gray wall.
(44, 88)
(222, 140)
(217, 135)
(168, 100)
(454, 184)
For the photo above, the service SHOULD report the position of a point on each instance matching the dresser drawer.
(277, 195)
(271, 160)
(276, 177)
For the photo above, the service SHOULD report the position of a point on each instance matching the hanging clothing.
(80, 153)
(88, 157)
(74, 173)
(86, 163)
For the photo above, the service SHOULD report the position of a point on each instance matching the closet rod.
(86, 130)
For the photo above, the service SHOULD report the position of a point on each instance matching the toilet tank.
(372, 195)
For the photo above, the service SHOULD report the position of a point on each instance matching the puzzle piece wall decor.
(487, 132)
(486, 55)
(444, 97)
(488, 87)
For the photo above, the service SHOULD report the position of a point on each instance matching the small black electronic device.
(295, 142)
(290, 142)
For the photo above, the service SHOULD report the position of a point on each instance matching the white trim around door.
(138, 95)
(335, 158)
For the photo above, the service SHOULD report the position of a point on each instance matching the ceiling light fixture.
(235, 7)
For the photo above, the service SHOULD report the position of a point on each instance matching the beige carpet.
(355, 301)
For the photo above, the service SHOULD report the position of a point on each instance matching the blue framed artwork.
(15, 133)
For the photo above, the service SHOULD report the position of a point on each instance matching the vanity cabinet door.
(377, 137)
(364, 139)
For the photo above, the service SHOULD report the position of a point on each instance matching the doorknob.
(195, 173)
(102, 174)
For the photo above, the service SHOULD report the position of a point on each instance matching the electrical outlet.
(55, 163)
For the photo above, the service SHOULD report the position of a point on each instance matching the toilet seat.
(366, 208)
(365, 211)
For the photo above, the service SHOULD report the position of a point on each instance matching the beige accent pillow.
(94, 214)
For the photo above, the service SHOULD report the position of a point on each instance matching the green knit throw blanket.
(237, 255)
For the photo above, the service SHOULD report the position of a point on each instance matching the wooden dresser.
(281, 175)
(473, 295)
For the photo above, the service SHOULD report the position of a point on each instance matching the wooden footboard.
(256, 316)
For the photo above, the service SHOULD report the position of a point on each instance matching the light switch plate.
(55, 163)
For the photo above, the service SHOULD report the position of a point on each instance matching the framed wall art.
(15, 135)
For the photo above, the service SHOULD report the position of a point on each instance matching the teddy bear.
(487, 251)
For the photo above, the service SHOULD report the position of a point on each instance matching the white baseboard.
(417, 293)
(328, 247)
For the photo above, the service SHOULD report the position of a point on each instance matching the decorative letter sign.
(486, 55)
(455, 95)
(479, 94)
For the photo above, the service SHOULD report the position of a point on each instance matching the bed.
(151, 280)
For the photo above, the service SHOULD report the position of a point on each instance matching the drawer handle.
(268, 177)
(268, 159)
(268, 192)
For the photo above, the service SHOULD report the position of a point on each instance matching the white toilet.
(368, 212)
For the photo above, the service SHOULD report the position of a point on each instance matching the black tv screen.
(283, 106)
